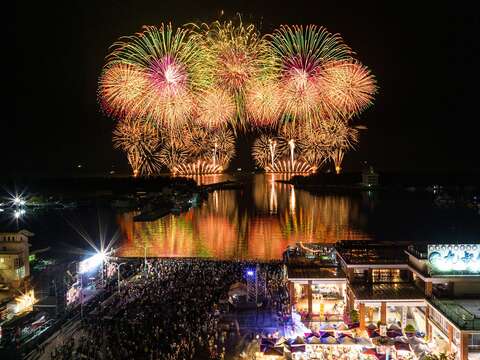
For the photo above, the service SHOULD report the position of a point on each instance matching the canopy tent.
(238, 289)
(395, 327)
(274, 352)
(298, 341)
(280, 341)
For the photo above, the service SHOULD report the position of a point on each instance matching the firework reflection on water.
(257, 222)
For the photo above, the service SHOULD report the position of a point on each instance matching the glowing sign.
(464, 258)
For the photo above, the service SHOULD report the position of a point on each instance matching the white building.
(14, 252)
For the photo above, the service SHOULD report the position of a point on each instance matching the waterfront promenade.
(172, 311)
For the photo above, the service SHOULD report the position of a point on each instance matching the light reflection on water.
(256, 222)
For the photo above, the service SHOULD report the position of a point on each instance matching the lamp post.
(145, 258)
(81, 296)
(145, 246)
(118, 275)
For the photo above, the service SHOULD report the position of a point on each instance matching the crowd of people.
(172, 311)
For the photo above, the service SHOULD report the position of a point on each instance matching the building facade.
(14, 264)
(393, 285)
(369, 177)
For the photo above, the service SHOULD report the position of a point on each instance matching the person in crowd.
(172, 312)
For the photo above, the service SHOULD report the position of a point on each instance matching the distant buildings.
(14, 264)
(369, 177)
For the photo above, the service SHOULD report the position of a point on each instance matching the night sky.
(425, 59)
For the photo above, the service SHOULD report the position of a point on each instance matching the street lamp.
(118, 275)
(145, 246)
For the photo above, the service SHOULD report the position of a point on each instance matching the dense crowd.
(171, 312)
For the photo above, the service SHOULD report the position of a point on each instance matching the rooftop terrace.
(465, 313)
(314, 272)
(368, 253)
(388, 291)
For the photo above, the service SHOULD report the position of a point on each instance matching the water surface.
(257, 221)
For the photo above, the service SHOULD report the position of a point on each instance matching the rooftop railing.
(457, 313)
(414, 250)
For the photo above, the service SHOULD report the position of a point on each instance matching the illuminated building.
(433, 288)
(369, 177)
(14, 252)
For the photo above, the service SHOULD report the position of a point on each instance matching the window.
(2, 260)
(474, 342)
(386, 276)
(20, 272)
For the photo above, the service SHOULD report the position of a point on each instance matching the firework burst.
(173, 68)
(300, 53)
(222, 148)
(121, 87)
(141, 143)
(200, 83)
(337, 134)
(282, 152)
(173, 154)
(238, 54)
(263, 102)
(341, 138)
(265, 150)
(348, 87)
(198, 150)
(216, 108)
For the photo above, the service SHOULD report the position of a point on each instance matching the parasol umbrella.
(299, 348)
(364, 342)
(402, 346)
(347, 340)
(393, 333)
(298, 341)
(281, 341)
(329, 340)
(394, 327)
(274, 352)
(327, 327)
(402, 338)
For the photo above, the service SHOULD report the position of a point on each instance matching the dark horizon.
(424, 59)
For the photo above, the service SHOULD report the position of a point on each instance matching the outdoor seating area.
(342, 340)
(336, 344)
